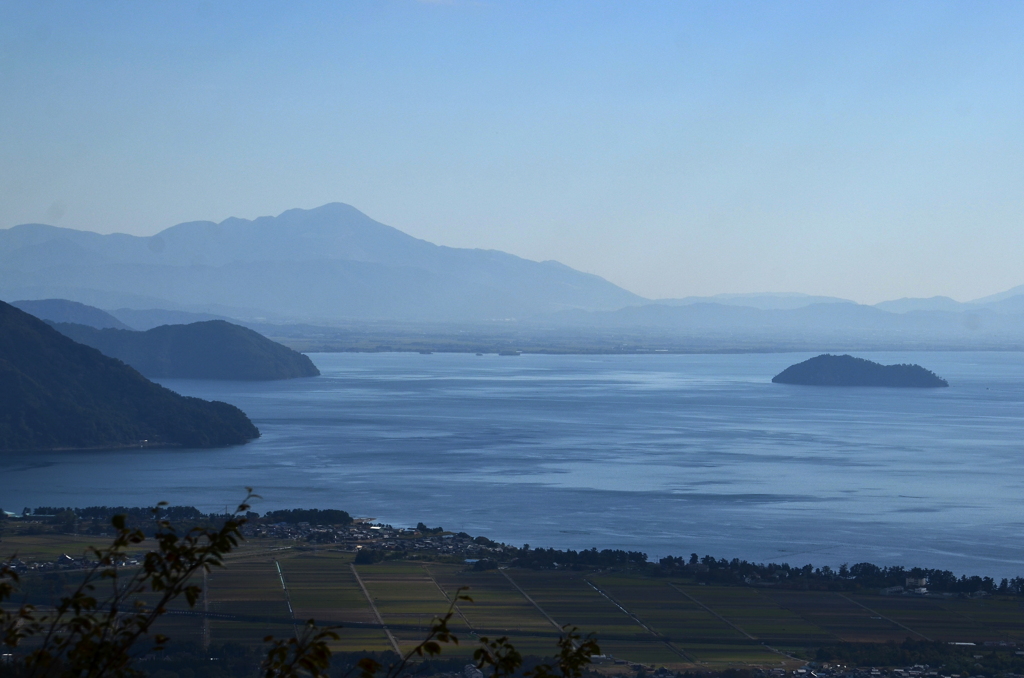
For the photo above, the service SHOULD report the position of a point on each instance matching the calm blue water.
(665, 454)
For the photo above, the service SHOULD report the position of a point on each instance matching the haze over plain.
(867, 151)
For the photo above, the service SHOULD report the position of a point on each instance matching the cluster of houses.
(64, 562)
(354, 537)
(363, 534)
(918, 586)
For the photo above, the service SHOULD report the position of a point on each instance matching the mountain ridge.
(64, 311)
(332, 262)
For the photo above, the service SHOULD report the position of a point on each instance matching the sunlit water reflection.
(665, 454)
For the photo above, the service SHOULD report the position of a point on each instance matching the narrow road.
(287, 598)
(712, 612)
(731, 625)
(532, 601)
(679, 651)
(879, 614)
(376, 612)
(448, 598)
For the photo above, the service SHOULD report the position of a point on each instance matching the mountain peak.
(328, 263)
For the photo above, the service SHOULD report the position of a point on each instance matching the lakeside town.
(372, 542)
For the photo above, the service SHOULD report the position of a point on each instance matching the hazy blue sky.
(869, 150)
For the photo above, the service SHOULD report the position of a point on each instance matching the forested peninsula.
(212, 349)
(845, 370)
(58, 394)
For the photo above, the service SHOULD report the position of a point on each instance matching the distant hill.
(1017, 291)
(326, 264)
(908, 304)
(1011, 305)
(213, 349)
(59, 394)
(148, 318)
(845, 370)
(1010, 302)
(64, 311)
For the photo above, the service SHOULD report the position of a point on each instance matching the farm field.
(270, 587)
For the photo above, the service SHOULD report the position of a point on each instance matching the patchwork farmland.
(271, 587)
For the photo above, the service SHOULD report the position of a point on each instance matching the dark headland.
(213, 349)
(845, 370)
(58, 394)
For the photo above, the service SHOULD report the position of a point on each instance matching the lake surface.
(666, 454)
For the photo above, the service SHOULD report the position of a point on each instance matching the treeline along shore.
(677, 617)
(375, 543)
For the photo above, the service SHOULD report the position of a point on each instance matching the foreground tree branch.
(106, 623)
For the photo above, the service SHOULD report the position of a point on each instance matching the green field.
(662, 621)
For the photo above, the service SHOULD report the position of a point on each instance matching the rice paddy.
(272, 588)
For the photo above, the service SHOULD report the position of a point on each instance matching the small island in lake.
(845, 370)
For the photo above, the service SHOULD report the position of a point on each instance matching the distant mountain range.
(335, 267)
(327, 264)
(1011, 301)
